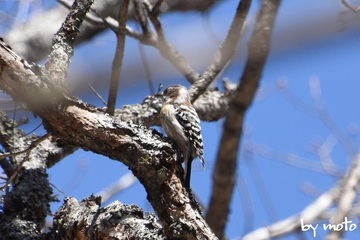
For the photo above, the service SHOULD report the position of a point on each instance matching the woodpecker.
(182, 124)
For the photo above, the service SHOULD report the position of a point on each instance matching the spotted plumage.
(181, 123)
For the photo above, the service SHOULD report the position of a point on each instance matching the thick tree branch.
(211, 106)
(62, 48)
(225, 168)
(152, 160)
(28, 202)
(26, 205)
(91, 221)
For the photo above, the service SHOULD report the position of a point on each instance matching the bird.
(181, 123)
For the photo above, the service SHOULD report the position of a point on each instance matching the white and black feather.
(181, 123)
(189, 120)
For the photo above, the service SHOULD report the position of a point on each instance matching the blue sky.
(305, 46)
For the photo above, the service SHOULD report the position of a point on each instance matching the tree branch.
(118, 59)
(34, 43)
(225, 168)
(123, 183)
(27, 203)
(310, 214)
(170, 53)
(151, 159)
(62, 48)
(91, 221)
(349, 6)
(211, 106)
(348, 192)
(225, 52)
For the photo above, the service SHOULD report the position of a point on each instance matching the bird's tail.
(202, 160)
(188, 172)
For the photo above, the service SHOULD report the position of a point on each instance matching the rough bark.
(148, 155)
(28, 201)
(88, 220)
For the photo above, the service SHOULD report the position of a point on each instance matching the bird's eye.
(168, 91)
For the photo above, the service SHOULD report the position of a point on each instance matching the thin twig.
(36, 128)
(346, 4)
(147, 69)
(225, 52)
(261, 189)
(32, 145)
(142, 18)
(97, 94)
(324, 153)
(294, 160)
(326, 118)
(123, 183)
(170, 53)
(246, 202)
(118, 59)
(27, 152)
(96, 18)
(294, 100)
(165, 48)
(13, 125)
(148, 34)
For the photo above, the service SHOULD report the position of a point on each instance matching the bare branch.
(170, 53)
(148, 37)
(97, 94)
(225, 52)
(27, 203)
(21, 163)
(345, 191)
(261, 189)
(62, 49)
(91, 221)
(225, 168)
(123, 183)
(34, 43)
(147, 32)
(142, 18)
(150, 157)
(211, 106)
(145, 63)
(294, 160)
(348, 192)
(349, 6)
(118, 59)
(310, 214)
(326, 118)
